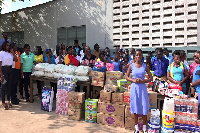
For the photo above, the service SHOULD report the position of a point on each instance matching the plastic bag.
(50, 68)
(83, 78)
(82, 71)
(40, 66)
(50, 75)
(110, 67)
(39, 73)
(57, 75)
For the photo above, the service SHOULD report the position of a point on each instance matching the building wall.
(40, 23)
(155, 23)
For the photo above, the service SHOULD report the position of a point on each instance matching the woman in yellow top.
(39, 54)
(39, 59)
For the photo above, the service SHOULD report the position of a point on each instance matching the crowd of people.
(16, 66)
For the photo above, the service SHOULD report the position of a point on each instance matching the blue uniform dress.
(139, 99)
(116, 65)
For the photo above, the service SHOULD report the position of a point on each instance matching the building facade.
(61, 21)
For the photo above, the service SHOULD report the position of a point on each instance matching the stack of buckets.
(154, 122)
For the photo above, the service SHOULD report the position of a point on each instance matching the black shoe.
(21, 97)
(15, 102)
(136, 132)
(27, 100)
(17, 99)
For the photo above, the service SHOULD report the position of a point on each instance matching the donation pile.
(47, 99)
(64, 86)
(60, 70)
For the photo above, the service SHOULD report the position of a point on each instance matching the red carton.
(126, 98)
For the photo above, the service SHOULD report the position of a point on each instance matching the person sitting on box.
(177, 72)
(139, 99)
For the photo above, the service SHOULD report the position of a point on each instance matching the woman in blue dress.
(139, 100)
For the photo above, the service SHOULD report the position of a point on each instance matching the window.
(67, 35)
(16, 37)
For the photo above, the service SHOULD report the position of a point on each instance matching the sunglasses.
(197, 58)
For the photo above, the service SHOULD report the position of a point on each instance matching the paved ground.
(29, 118)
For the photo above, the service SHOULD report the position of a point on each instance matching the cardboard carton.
(97, 74)
(124, 85)
(98, 78)
(100, 118)
(97, 81)
(111, 87)
(100, 107)
(117, 98)
(75, 114)
(96, 92)
(76, 97)
(91, 116)
(128, 112)
(108, 108)
(115, 121)
(126, 100)
(75, 105)
(105, 96)
(129, 124)
(113, 76)
(91, 104)
(152, 100)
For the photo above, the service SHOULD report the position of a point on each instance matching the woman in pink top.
(194, 64)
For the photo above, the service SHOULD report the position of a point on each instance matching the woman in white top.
(6, 61)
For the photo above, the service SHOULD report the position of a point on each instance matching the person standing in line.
(177, 72)
(97, 51)
(107, 54)
(139, 99)
(4, 39)
(89, 59)
(21, 82)
(117, 63)
(56, 52)
(160, 65)
(63, 49)
(60, 58)
(16, 74)
(168, 56)
(49, 58)
(39, 59)
(77, 47)
(132, 53)
(196, 86)
(6, 62)
(27, 59)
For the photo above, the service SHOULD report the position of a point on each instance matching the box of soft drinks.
(91, 104)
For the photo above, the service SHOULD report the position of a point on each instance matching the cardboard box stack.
(91, 110)
(111, 113)
(64, 86)
(98, 78)
(111, 80)
(129, 119)
(76, 102)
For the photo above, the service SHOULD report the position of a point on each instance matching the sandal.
(5, 106)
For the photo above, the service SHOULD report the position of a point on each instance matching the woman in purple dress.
(139, 100)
